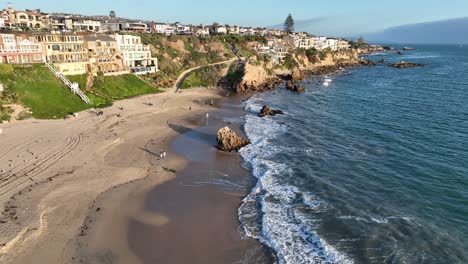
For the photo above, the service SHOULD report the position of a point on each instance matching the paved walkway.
(185, 74)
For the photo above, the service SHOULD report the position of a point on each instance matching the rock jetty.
(229, 141)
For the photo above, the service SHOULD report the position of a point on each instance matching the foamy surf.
(272, 211)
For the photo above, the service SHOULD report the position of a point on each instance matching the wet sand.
(189, 216)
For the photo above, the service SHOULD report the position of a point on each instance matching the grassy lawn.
(109, 88)
(35, 87)
(39, 90)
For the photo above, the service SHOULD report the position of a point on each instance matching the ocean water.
(371, 169)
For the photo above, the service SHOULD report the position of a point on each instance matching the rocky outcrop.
(402, 65)
(296, 75)
(256, 79)
(229, 141)
(266, 111)
(290, 85)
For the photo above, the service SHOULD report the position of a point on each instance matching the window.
(19, 38)
(37, 57)
(55, 47)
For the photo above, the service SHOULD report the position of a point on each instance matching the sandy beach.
(53, 171)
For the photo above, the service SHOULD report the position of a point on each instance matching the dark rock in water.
(402, 65)
(290, 85)
(367, 63)
(388, 48)
(229, 141)
(382, 61)
(399, 53)
(266, 111)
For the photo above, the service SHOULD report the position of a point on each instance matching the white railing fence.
(74, 87)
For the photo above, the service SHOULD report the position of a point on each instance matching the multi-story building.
(247, 31)
(103, 54)
(71, 23)
(135, 27)
(221, 30)
(201, 31)
(162, 28)
(136, 56)
(183, 29)
(233, 30)
(343, 44)
(65, 51)
(19, 48)
(25, 19)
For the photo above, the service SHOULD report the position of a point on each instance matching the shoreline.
(197, 185)
(53, 169)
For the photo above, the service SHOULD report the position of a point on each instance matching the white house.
(201, 31)
(136, 56)
(221, 30)
(332, 43)
(183, 29)
(233, 30)
(247, 31)
(162, 28)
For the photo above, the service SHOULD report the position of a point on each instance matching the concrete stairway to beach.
(74, 87)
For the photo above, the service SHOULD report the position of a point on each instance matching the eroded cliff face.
(256, 78)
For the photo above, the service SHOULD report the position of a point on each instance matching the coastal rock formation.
(256, 79)
(399, 53)
(402, 65)
(266, 111)
(367, 63)
(290, 85)
(296, 75)
(229, 141)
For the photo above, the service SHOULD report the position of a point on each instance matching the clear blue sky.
(331, 17)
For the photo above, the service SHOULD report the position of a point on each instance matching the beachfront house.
(19, 48)
(136, 56)
(103, 54)
(65, 50)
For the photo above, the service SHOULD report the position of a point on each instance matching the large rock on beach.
(229, 141)
(266, 111)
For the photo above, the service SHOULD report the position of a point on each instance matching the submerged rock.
(402, 65)
(266, 111)
(229, 141)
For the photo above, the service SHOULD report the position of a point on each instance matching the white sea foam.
(283, 227)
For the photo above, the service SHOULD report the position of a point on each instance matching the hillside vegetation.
(36, 88)
(178, 53)
(46, 97)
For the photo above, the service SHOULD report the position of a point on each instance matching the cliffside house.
(72, 23)
(103, 54)
(19, 48)
(66, 51)
(135, 27)
(183, 29)
(162, 28)
(201, 31)
(233, 30)
(222, 30)
(247, 31)
(25, 19)
(136, 56)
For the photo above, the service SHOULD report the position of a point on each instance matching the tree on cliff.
(112, 14)
(289, 24)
